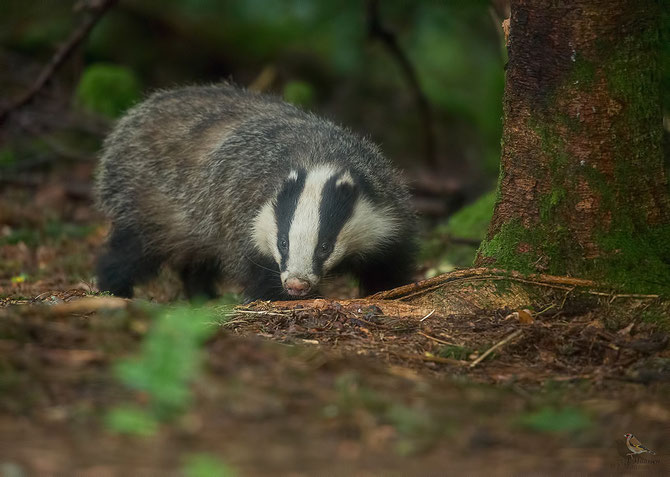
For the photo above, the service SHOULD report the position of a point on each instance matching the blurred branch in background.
(96, 10)
(377, 30)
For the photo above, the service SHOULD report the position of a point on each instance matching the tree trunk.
(582, 188)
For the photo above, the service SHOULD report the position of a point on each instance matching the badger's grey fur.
(220, 183)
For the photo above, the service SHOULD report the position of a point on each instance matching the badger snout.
(297, 286)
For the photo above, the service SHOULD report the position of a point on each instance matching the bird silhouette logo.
(635, 446)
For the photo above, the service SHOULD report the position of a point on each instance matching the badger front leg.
(200, 279)
(262, 281)
(124, 263)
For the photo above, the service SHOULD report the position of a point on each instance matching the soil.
(393, 385)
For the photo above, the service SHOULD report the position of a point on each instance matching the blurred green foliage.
(34, 26)
(168, 362)
(54, 232)
(299, 93)
(549, 419)
(107, 89)
(461, 72)
(205, 465)
(131, 420)
(7, 157)
(470, 222)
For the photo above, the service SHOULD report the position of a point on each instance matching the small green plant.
(168, 362)
(205, 465)
(455, 352)
(107, 89)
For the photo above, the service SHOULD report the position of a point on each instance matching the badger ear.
(345, 178)
(293, 175)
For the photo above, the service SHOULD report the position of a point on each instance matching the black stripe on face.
(337, 206)
(287, 201)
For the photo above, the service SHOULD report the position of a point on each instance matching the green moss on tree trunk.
(583, 190)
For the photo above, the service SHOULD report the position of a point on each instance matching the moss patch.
(550, 202)
(632, 262)
(583, 73)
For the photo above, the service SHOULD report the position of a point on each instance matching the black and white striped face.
(318, 217)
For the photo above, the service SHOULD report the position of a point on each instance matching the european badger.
(219, 182)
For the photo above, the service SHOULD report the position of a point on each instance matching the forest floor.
(343, 387)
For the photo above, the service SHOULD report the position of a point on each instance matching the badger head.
(319, 217)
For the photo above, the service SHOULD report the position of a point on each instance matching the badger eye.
(283, 244)
(324, 247)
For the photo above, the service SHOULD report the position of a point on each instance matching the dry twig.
(438, 340)
(495, 347)
(427, 316)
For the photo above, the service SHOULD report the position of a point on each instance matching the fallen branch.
(568, 284)
(97, 9)
(377, 30)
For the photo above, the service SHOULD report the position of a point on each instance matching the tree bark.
(582, 188)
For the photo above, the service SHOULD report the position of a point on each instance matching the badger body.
(221, 183)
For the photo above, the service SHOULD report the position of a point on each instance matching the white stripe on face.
(304, 231)
(264, 233)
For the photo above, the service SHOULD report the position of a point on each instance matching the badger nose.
(297, 286)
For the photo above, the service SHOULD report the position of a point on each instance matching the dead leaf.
(525, 317)
(522, 316)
